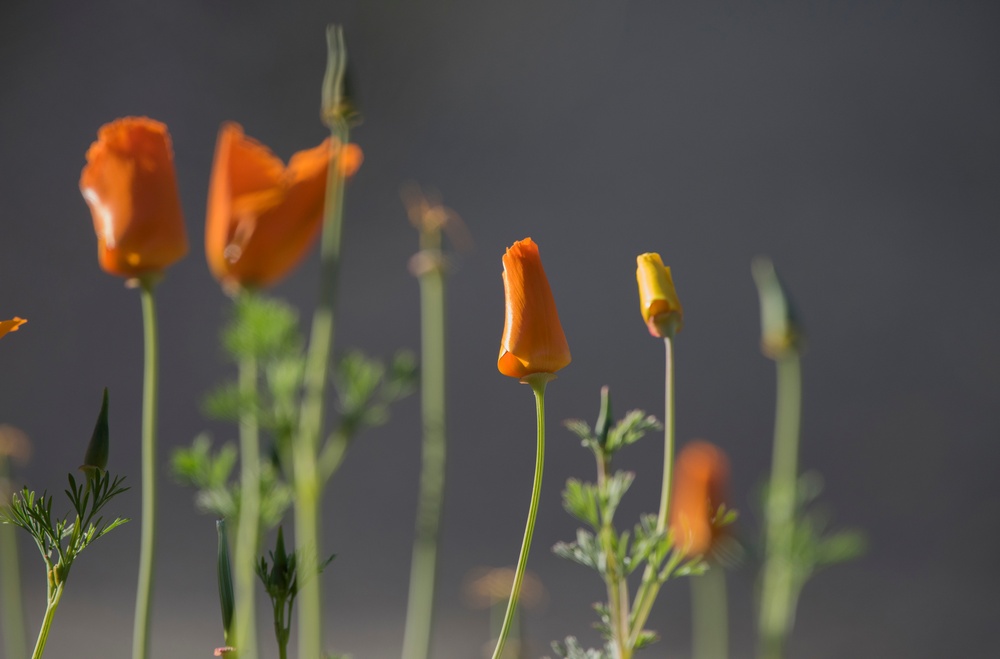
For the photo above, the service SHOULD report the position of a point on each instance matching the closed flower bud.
(533, 340)
(701, 478)
(604, 418)
(131, 188)
(96, 459)
(661, 310)
(780, 332)
(262, 215)
(226, 598)
(11, 325)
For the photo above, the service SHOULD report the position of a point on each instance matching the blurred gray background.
(854, 142)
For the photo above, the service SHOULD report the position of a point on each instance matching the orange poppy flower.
(533, 340)
(262, 215)
(131, 188)
(701, 477)
(658, 301)
(11, 325)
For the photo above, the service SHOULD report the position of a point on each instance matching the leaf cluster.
(210, 473)
(61, 539)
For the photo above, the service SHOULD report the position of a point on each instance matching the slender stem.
(307, 483)
(650, 585)
(14, 642)
(52, 603)
(147, 548)
(668, 434)
(281, 630)
(710, 615)
(537, 382)
(248, 531)
(778, 590)
(423, 567)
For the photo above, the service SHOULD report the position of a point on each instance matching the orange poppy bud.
(658, 301)
(11, 325)
(701, 477)
(533, 340)
(131, 188)
(262, 215)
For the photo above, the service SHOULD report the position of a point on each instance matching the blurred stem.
(710, 615)
(777, 595)
(147, 548)
(537, 382)
(614, 576)
(248, 530)
(651, 581)
(282, 626)
(52, 603)
(305, 450)
(15, 644)
(423, 567)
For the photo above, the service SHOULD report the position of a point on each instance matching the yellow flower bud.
(658, 301)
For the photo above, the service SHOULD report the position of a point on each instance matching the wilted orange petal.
(11, 325)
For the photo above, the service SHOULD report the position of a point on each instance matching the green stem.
(537, 382)
(52, 603)
(651, 581)
(614, 578)
(710, 616)
(147, 549)
(668, 434)
(248, 531)
(423, 567)
(306, 446)
(777, 600)
(281, 631)
(14, 643)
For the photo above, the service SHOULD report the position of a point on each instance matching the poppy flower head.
(130, 185)
(263, 215)
(533, 340)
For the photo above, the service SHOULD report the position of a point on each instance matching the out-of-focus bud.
(96, 459)
(604, 418)
(336, 105)
(780, 329)
(661, 309)
(226, 597)
(701, 478)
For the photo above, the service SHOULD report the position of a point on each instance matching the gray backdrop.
(855, 143)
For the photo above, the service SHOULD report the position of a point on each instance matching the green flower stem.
(248, 530)
(423, 567)
(282, 626)
(778, 591)
(306, 446)
(614, 577)
(147, 548)
(651, 581)
(668, 434)
(12, 623)
(710, 616)
(14, 642)
(52, 603)
(537, 382)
